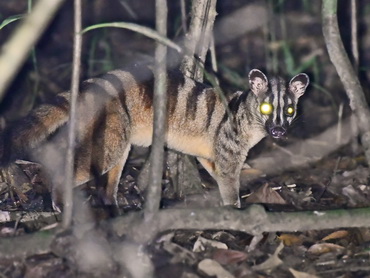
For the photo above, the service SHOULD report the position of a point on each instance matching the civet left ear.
(257, 82)
(298, 84)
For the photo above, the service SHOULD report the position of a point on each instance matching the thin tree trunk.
(354, 40)
(160, 109)
(69, 182)
(183, 170)
(355, 56)
(346, 72)
(197, 40)
(183, 16)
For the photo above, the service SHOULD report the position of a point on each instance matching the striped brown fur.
(115, 111)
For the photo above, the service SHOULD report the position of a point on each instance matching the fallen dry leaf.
(214, 269)
(272, 262)
(299, 274)
(226, 257)
(354, 195)
(322, 248)
(266, 195)
(336, 235)
(289, 239)
(202, 244)
(179, 253)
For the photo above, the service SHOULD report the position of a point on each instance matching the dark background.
(282, 37)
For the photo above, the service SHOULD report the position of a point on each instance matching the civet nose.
(277, 131)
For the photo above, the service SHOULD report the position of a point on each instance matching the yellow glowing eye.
(290, 111)
(266, 108)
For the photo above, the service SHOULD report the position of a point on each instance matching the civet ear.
(298, 84)
(258, 82)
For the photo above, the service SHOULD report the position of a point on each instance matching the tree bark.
(198, 38)
(75, 84)
(197, 41)
(160, 110)
(345, 70)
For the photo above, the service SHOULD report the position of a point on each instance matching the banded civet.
(115, 111)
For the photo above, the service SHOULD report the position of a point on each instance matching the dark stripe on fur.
(175, 81)
(211, 104)
(118, 85)
(192, 101)
(145, 80)
(278, 108)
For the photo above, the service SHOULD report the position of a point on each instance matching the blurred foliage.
(95, 64)
(11, 19)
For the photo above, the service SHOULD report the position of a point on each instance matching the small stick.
(160, 109)
(354, 40)
(183, 17)
(69, 184)
(340, 118)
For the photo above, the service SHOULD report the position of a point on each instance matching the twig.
(346, 72)
(335, 170)
(16, 50)
(183, 17)
(212, 50)
(69, 184)
(354, 40)
(160, 109)
(24, 217)
(128, 9)
(340, 119)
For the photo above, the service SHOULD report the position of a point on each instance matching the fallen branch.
(26, 245)
(29, 216)
(253, 220)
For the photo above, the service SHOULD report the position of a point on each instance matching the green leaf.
(11, 19)
(139, 29)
